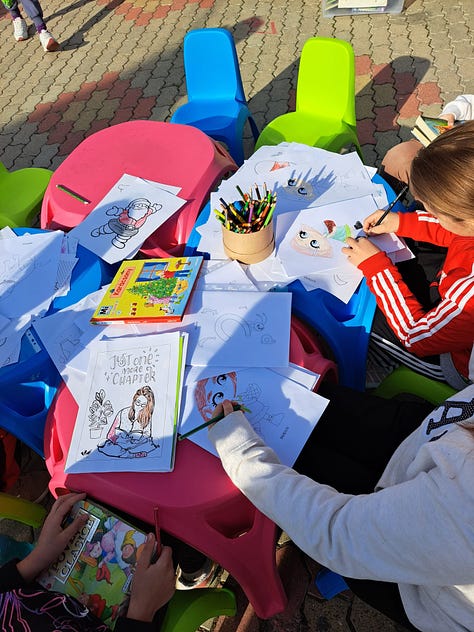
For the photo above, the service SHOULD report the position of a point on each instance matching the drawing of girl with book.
(130, 434)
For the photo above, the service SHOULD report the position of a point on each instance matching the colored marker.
(73, 194)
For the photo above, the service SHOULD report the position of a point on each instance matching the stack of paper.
(129, 409)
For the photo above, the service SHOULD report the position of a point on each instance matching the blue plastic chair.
(216, 99)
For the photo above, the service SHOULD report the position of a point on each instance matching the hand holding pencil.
(373, 226)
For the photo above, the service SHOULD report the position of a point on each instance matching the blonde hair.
(442, 174)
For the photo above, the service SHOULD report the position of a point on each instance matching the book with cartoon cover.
(97, 565)
(149, 290)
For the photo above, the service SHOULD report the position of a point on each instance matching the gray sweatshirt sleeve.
(407, 533)
(462, 107)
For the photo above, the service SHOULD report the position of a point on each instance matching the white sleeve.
(403, 534)
(462, 107)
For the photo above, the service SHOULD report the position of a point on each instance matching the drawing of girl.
(130, 435)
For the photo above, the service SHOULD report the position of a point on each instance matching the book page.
(129, 409)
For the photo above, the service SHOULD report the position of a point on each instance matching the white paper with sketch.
(130, 212)
(68, 336)
(314, 241)
(28, 272)
(245, 329)
(281, 411)
(128, 413)
(224, 275)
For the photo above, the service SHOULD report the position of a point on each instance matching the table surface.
(153, 150)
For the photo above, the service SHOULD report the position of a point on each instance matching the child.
(385, 497)
(26, 605)
(423, 322)
(396, 163)
(35, 13)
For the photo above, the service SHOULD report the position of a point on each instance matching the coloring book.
(149, 290)
(128, 413)
(97, 565)
(281, 411)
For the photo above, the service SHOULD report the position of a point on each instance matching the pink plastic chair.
(178, 155)
(197, 501)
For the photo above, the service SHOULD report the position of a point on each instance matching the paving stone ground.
(122, 60)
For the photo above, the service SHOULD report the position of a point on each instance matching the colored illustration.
(126, 222)
(311, 242)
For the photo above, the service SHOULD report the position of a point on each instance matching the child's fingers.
(144, 560)
(77, 524)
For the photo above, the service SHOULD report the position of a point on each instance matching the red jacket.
(448, 327)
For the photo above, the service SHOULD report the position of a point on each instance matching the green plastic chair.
(21, 510)
(21, 195)
(325, 100)
(404, 380)
(188, 609)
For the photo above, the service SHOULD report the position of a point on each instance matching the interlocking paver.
(122, 60)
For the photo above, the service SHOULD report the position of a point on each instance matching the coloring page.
(314, 241)
(281, 411)
(129, 409)
(130, 212)
(245, 329)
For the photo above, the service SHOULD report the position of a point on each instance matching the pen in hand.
(391, 205)
(210, 422)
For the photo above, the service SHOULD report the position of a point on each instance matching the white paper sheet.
(280, 410)
(130, 212)
(245, 329)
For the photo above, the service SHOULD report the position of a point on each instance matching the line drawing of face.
(212, 391)
(309, 241)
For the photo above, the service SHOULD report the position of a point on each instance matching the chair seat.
(21, 194)
(300, 127)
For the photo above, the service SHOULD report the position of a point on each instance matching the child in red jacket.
(427, 323)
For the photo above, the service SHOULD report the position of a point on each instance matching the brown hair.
(442, 174)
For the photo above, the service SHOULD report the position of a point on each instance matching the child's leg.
(356, 437)
(20, 30)
(34, 11)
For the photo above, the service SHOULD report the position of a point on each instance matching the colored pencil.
(391, 205)
(209, 422)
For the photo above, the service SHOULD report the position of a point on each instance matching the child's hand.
(358, 250)
(53, 538)
(389, 224)
(153, 584)
(450, 118)
(225, 407)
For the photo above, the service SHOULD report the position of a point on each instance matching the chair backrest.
(326, 79)
(211, 65)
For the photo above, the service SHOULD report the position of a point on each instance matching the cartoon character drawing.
(99, 411)
(210, 392)
(130, 552)
(126, 222)
(311, 242)
(130, 435)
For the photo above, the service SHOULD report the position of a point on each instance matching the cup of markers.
(247, 225)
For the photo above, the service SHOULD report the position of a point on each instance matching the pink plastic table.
(197, 501)
(178, 155)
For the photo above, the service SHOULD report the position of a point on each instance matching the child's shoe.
(48, 42)
(20, 30)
